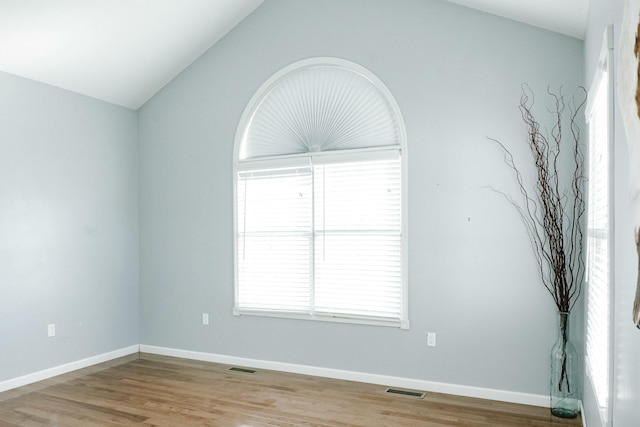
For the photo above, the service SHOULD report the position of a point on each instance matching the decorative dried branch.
(553, 213)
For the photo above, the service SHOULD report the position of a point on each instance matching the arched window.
(320, 199)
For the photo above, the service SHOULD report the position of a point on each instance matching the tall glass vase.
(564, 369)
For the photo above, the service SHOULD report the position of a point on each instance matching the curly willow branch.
(552, 214)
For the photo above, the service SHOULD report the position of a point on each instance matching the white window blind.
(274, 240)
(321, 105)
(598, 240)
(357, 230)
(322, 240)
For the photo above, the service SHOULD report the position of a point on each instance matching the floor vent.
(243, 370)
(417, 394)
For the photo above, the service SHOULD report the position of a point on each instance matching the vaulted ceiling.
(568, 17)
(124, 51)
(120, 51)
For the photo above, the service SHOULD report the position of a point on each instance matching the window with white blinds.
(319, 196)
(322, 238)
(598, 240)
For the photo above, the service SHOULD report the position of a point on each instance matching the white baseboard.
(68, 367)
(408, 383)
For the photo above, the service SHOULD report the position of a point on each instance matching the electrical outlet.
(51, 330)
(205, 318)
(431, 339)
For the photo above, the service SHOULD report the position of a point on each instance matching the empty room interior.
(133, 135)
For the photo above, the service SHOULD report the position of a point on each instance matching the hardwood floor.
(149, 390)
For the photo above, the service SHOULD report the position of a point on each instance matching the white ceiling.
(120, 51)
(124, 51)
(568, 17)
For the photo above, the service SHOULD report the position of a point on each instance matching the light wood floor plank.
(150, 390)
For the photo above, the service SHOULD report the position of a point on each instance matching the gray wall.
(626, 336)
(68, 227)
(456, 75)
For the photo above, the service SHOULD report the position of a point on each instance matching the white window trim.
(239, 164)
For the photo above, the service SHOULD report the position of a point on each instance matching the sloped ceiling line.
(124, 51)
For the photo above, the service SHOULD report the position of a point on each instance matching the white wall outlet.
(205, 318)
(51, 330)
(431, 339)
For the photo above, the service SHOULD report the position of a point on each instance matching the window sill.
(372, 321)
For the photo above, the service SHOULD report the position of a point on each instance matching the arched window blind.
(317, 105)
(320, 197)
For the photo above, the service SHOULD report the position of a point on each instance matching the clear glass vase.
(564, 379)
